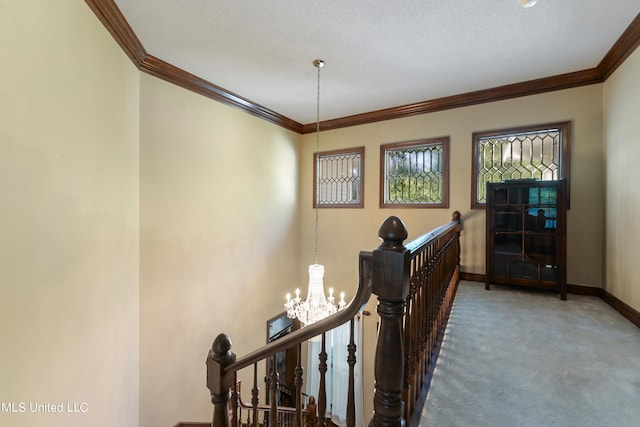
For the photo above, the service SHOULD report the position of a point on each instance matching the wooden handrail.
(427, 238)
(358, 302)
(222, 364)
(415, 284)
(434, 278)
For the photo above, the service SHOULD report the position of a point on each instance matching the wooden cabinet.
(526, 234)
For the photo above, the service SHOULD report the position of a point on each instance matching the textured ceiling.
(378, 53)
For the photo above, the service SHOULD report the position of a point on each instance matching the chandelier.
(528, 3)
(316, 306)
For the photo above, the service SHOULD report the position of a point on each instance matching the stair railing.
(415, 285)
(247, 415)
(434, 277)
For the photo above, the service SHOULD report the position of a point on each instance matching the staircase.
(415, 283)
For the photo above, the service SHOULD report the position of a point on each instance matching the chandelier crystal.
(316, 306)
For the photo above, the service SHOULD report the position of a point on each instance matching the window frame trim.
(316, 158)
(446, 143)
(564, 171)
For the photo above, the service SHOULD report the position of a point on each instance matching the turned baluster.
(311, 415)
(351, 361)
(255, 399)
(235, 396)
(322, 391)
(432, 306)
(422, 317)
(298, 384)
(410, 334)
(274, 380)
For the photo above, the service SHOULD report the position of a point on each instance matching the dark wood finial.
(393, 232)
(221, 346)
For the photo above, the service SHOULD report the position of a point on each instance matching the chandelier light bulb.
(528, 3)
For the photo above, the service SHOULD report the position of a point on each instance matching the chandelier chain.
(318, 64)
(316, 306)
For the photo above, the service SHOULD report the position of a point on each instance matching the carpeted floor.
(518, 358)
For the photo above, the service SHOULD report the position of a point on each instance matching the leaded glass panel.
(536, 153)
(415, 174)
(339, 178)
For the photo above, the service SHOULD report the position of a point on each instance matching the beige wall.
(137, 214)
(343, 232)
(69, 225)
(94, 157)
(218, 196)
(622, 147)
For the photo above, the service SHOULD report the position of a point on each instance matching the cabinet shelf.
(526, 234)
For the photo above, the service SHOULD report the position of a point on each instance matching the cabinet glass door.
(524, 221)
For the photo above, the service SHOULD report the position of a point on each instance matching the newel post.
(218, 382)
(391, 264)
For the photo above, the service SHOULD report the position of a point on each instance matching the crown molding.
(531, 87)
(114, 21)
(165, 71)
(623, 47)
